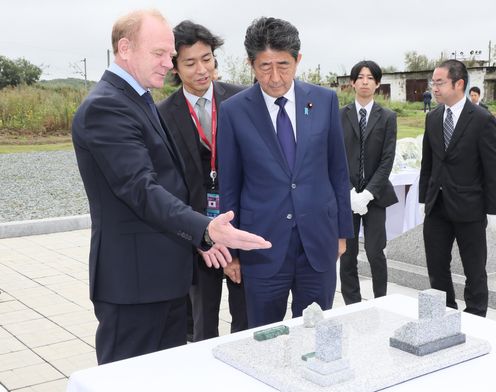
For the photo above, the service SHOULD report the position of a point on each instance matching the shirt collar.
(367, 107)
(119, 71)
(270, 101)
(192, 98)
(457, 107)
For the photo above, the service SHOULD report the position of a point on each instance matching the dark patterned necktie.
(361, 169)
(285, 132)
(448, 128)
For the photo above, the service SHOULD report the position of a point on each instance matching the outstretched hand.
(223, 233)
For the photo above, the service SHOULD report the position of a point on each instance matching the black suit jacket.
(175, 112)
(466, 171)
(380, 147)
(142, 231)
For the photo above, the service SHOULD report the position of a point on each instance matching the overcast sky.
(334, 34)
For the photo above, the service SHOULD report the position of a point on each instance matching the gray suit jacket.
(380, 147)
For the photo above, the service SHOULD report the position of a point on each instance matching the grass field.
(409, 125)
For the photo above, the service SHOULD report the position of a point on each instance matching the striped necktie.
(361, 168)
(448, 128)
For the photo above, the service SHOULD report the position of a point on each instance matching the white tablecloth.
(193, 368)
(407, 213)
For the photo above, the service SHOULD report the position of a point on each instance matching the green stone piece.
(271, 333)
(308, 355)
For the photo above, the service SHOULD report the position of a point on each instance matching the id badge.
(213, 206)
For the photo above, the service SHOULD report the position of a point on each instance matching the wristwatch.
(206, 238)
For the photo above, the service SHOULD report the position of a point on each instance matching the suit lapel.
(436, 135)
(461, 125)
(263, 124)
(186, 129)
(352, 117)
(375, 114)
(303, 122)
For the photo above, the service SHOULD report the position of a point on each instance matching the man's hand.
(362, 200)
(233, 271)
(341, 246)
(217, 256)
(223, 233)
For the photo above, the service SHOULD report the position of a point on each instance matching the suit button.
(289, 216)
(293, 186)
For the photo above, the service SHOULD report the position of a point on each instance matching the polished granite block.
(429, 347)
(328, 335)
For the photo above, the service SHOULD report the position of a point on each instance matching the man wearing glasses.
(458, 186)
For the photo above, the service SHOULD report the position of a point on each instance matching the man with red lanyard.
(191, 116)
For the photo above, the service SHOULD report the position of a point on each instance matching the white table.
(407, 213)
(193, 368)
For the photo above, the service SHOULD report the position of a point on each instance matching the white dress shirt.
(274, 109)
(456, 110)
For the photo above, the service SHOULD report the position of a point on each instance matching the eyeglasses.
(438, 83)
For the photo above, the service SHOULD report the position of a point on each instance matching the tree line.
(18, 71)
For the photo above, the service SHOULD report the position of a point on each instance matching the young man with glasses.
(458, 186)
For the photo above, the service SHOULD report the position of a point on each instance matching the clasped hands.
(360, 201)
(225, 236)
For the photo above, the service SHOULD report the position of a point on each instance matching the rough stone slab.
(423, 331)
(326, 380)
(327, 367)
(366, 336)
(428, 348)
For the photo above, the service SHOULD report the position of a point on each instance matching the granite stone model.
(365, 349)
(435, 330)
(312, 315)
(328, 367)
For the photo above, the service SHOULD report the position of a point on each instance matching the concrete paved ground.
(47, 324)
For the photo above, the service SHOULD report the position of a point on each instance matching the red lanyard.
(201, 133)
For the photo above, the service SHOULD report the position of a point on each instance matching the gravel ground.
(40, 185)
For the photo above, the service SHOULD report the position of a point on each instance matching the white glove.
(362, 200)
(356, 204)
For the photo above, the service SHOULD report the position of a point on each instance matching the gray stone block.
(432, 304)
(327, 367)
(328, 336)
(325, 380)
(430, 347)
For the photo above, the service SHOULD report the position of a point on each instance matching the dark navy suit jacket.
(142, 233)
(266, 197)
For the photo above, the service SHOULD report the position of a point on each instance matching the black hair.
(188, 33)
(375, 70)
(271, 33)
(456, 71)
(475, 89)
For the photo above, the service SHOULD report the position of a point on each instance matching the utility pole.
(489, 55)
(85, 75)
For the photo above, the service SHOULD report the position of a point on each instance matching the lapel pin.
(308, 107)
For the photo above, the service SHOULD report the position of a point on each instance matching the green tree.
(8, 73)
(389, 69)
(312, 76)
(418, 62)
(28, 72)
(19, 71)
(238, 71)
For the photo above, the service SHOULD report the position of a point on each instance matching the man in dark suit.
(194, 67)
(143, 234)
(458, 186)
(475, 97)
(370, 139)
(283, 170)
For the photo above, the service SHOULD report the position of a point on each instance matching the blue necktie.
(285, 132)
(149, 100)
